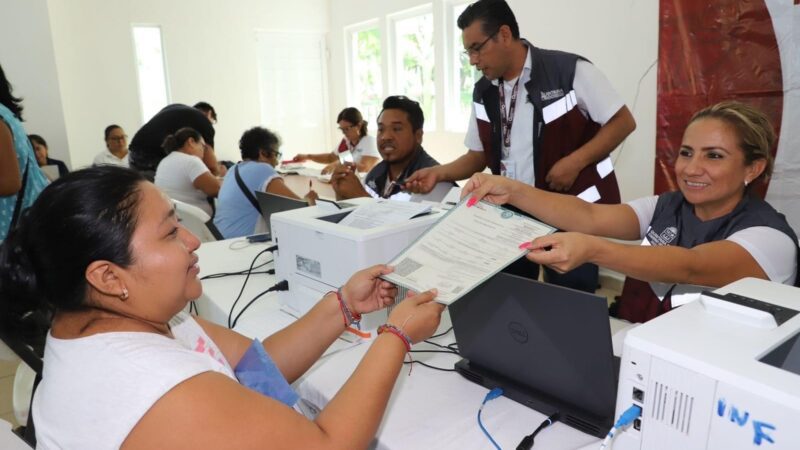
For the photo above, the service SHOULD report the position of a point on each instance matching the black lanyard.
(507, 120)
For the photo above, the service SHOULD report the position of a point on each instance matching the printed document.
(464, 249)
(383, 212)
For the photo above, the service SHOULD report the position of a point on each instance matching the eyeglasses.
(475, 50)
(118, 138)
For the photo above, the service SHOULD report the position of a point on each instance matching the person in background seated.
(42, 158)
(126, 367)
(236, 214)
(182, 174)
(146, 151)
(116, 152)
(21, 181)
(208, 110)
(356, 141)
(224, 165)
(710, 233)
(400, 145)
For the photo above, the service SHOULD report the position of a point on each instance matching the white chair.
(9, 440)
(24, 379)
(195, 220)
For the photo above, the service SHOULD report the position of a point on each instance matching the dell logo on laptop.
(518, 332)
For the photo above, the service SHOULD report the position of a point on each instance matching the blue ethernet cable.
(491, 395)
(624, 420)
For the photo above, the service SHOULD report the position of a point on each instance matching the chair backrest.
(28, 343)
(194, 219)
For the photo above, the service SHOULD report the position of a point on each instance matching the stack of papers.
(464, 249)
(383, 212)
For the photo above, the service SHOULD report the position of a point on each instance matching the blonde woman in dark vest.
(710, 233)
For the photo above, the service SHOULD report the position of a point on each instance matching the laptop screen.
(546, 340)
(272, 203)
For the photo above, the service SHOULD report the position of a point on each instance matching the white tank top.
(95, 389)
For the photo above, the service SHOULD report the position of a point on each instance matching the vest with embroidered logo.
(558, 128)
(674, 223)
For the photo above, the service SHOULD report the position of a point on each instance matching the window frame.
(165, 71)
(351, 92)
(431, 123)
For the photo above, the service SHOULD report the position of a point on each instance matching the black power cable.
(249, 271)
(279, 286)
(527, 441)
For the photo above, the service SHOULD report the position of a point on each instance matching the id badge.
(508, 169)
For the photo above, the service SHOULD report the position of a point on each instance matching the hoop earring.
(124, 295)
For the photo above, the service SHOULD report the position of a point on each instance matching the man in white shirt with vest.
(543, 117)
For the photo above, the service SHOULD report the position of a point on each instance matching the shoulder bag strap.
(20, 198)
(249, 195)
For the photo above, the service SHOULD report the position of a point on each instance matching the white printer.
(317, 255)
(722, 372)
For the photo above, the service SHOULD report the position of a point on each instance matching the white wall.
(26, 54)
(620, 37)
(210, 52)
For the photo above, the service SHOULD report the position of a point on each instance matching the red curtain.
(709, 52)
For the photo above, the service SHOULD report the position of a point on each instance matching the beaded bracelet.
(389, 328)
(350, 318)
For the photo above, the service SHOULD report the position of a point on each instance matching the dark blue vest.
(552, 75)
(674, 223)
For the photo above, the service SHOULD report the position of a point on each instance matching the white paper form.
(383, 212)
(463, 249)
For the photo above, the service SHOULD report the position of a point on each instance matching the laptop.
(272, 203)
(548, 348)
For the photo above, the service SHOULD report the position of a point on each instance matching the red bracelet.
(350, 318)
(388, 328)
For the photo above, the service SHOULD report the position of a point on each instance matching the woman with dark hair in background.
(20, 177)
(41, 151)
(116, 152)
(182, 174)
(125, 367)
(356, 141)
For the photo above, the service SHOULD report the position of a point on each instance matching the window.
(366, 85)
(414, 59)
(462, 77)
(153, 92)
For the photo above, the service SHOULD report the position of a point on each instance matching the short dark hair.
(40, 270)
(7, 99)
(410, 107)
(176, 140)
(258, 139)
(493, 14)
(353, 115)
(109, 129)
(207, 108)
(36, 139)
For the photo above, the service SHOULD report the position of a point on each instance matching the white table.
(428, 408)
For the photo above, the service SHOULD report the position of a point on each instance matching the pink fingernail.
(471, 201)
(525, 246)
